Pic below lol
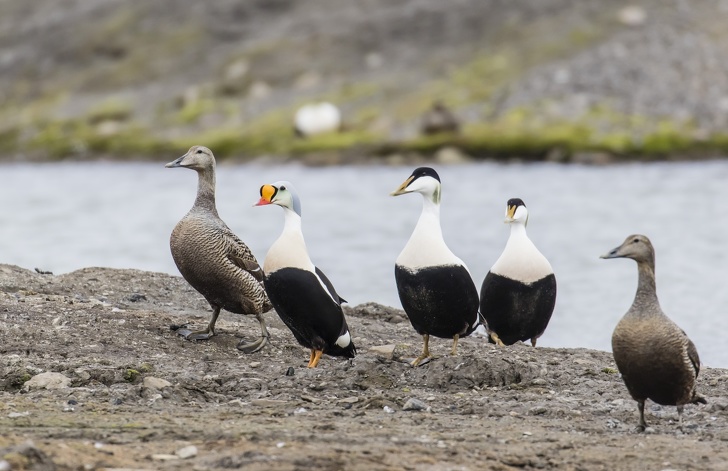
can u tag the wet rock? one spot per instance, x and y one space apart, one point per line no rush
47 380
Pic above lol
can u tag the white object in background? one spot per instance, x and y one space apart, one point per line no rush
317 118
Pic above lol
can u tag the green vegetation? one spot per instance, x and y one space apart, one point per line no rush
131 375
520 134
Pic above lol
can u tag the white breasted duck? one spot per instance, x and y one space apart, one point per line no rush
435 287
518 294
301 294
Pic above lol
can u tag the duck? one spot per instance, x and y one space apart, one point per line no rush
518 294
655 357
435 287
213 260
300 292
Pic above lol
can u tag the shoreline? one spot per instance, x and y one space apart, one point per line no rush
137 395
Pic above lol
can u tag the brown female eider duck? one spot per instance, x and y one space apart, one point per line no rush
656 358
213 259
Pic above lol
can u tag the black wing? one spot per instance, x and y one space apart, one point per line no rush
330 287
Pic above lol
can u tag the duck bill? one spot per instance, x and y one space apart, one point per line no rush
510 213
267 192
176 163
402 188
614 253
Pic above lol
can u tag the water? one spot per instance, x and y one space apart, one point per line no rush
62 217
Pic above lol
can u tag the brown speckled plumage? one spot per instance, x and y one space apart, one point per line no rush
656 358
209 255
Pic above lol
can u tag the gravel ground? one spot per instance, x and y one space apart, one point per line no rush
128 393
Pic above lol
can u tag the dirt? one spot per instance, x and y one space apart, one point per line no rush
108 332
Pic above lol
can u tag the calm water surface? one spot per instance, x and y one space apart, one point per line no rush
62 217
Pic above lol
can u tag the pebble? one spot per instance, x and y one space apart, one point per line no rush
300 410
5 466
388 410
414 404
164 457
186 452
15 415
384 351
255 364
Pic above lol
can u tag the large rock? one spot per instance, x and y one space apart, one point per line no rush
47 380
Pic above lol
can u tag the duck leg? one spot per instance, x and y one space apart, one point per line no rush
425 351
454 350
642 425
496 339
310 359
202 334
315 358
679 417
533 341
258 344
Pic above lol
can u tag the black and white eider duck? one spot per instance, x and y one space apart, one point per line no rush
435 287
213 259
518 294
301 294
655 357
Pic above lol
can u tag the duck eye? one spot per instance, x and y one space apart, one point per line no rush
283 187
199 151
634 241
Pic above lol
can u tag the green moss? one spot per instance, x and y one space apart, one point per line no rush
191 112
610 371
146 367
131 375
113 109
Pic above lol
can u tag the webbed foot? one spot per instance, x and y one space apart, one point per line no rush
187 334
252 347
421 360
425 352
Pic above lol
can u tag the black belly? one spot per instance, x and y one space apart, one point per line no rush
312 315
517 311
440 301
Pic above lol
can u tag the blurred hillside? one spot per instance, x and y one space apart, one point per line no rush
546 79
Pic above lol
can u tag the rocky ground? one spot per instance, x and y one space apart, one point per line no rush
127 393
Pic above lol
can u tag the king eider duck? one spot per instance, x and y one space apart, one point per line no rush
213 259
301 294
435 287
518 294
655 357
